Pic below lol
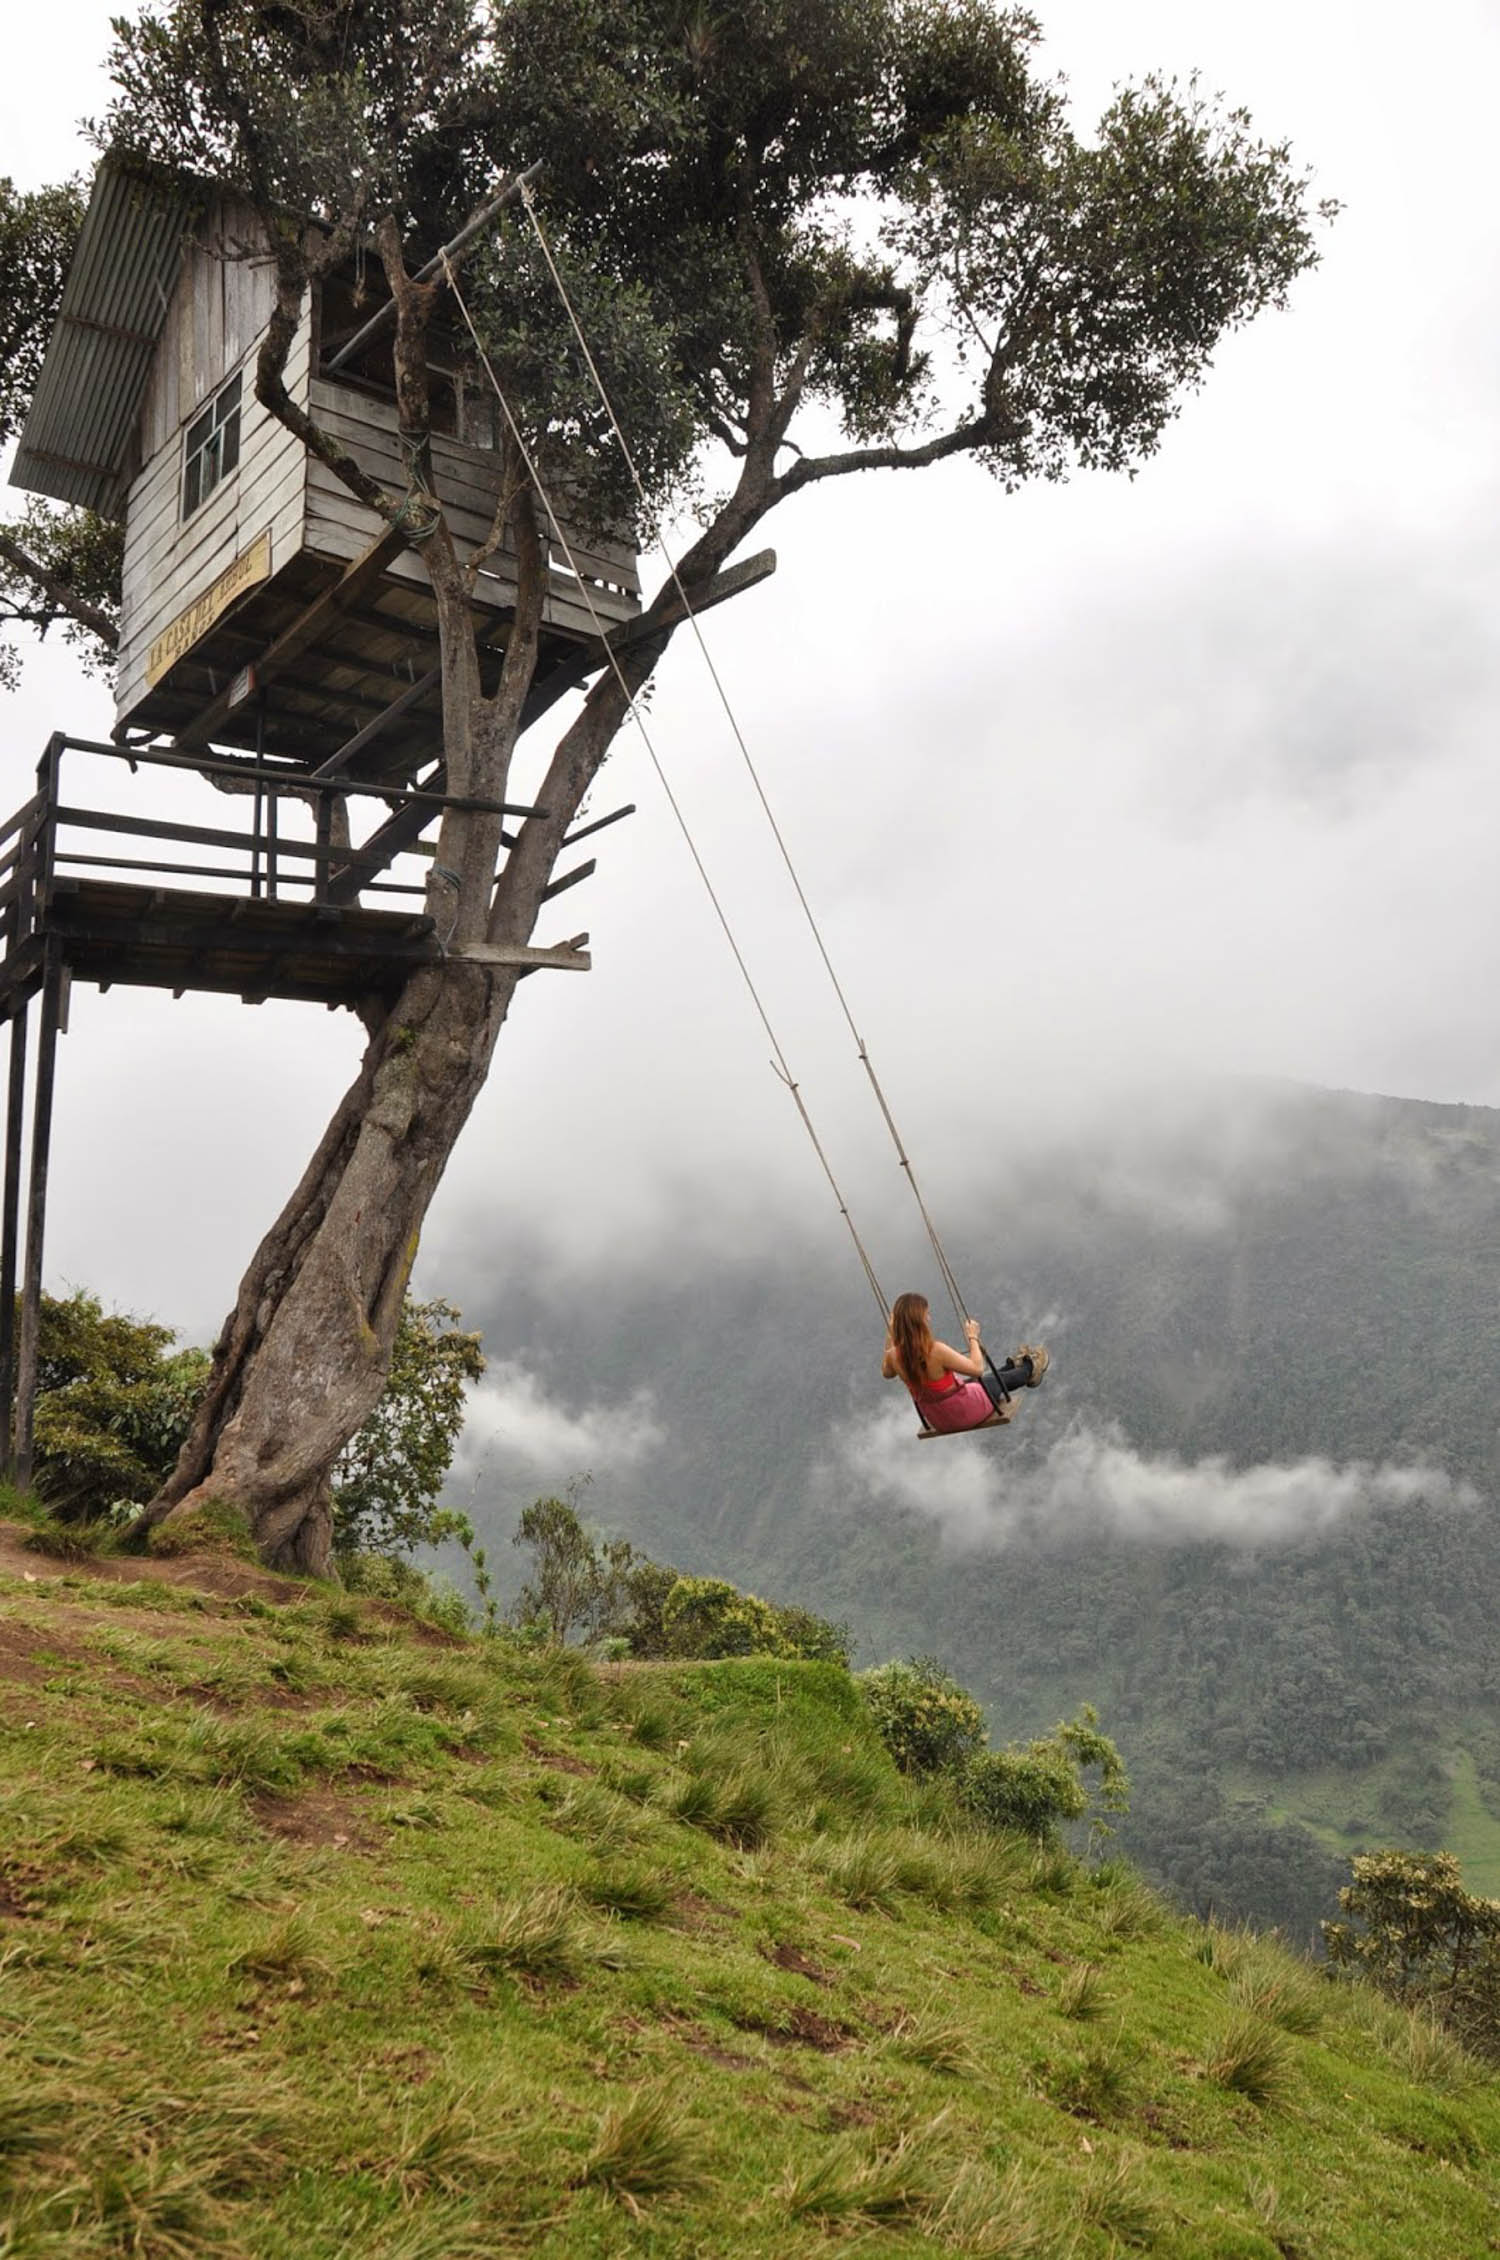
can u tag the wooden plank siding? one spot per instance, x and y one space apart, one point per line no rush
168 560
468 481
214 321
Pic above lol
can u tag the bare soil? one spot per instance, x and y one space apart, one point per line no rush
222 1574
317 1816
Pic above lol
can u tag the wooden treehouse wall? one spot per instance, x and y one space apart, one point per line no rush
214 322
468 482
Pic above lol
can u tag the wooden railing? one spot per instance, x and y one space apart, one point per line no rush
49 837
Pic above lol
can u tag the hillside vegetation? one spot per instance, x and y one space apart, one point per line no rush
327 1931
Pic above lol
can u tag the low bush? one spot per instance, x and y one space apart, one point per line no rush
927 1721
1035 1788
708 1617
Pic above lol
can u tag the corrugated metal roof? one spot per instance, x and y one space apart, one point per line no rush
76 442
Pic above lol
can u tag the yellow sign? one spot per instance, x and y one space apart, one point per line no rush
252 565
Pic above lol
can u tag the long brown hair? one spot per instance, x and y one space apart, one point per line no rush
911 1338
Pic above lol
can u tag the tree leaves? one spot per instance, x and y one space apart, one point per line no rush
389 1478
37 233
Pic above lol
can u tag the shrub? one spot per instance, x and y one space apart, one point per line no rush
927 1721
388 1477
1033 1789
385 1577
1417 1934
709 1617
1027 1790
114 1402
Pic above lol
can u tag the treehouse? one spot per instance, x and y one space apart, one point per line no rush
264 608
278 637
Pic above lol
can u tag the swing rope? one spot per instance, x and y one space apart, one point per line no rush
779 1061
945 1268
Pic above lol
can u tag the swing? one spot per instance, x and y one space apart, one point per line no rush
1023 1369
1026 1367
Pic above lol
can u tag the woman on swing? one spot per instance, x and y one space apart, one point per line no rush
951 1389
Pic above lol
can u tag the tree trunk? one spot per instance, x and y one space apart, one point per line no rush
304 1354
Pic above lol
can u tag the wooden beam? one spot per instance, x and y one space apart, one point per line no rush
304 630
570 879
566 958
386 842
573 942
372 730
396 836
28 1348
10 1213
590 657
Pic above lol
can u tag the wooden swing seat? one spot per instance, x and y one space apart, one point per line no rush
932 1435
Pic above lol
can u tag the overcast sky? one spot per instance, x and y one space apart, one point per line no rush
1097 788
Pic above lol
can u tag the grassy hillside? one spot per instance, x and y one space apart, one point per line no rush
324 1932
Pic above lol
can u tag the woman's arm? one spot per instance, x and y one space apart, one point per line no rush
955 1361
889 1370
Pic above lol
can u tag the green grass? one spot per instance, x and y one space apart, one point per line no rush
1471 1830
321 1935
1343 1812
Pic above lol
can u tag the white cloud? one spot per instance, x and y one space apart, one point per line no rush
1095 1480
512 1418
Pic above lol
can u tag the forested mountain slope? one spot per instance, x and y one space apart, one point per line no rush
1253 1513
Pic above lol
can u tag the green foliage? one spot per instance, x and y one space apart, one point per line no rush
602 1589
384 1577
1035 1788
114 1402
927 1721
581 1584
77 552
389 1476
38 231
61 568
698 186
1422 1938
706 1616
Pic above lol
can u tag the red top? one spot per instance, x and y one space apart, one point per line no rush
940 1388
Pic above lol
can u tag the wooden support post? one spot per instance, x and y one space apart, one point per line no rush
10 1220
36 1215
323 841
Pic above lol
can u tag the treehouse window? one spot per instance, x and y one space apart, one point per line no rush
213 447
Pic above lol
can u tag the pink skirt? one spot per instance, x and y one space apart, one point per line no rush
967 1406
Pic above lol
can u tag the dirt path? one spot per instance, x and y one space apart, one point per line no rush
220 1574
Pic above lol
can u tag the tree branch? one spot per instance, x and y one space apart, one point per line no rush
979 431
761 400
294 274
58 593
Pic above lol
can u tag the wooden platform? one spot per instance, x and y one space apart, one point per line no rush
375 653
139 936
